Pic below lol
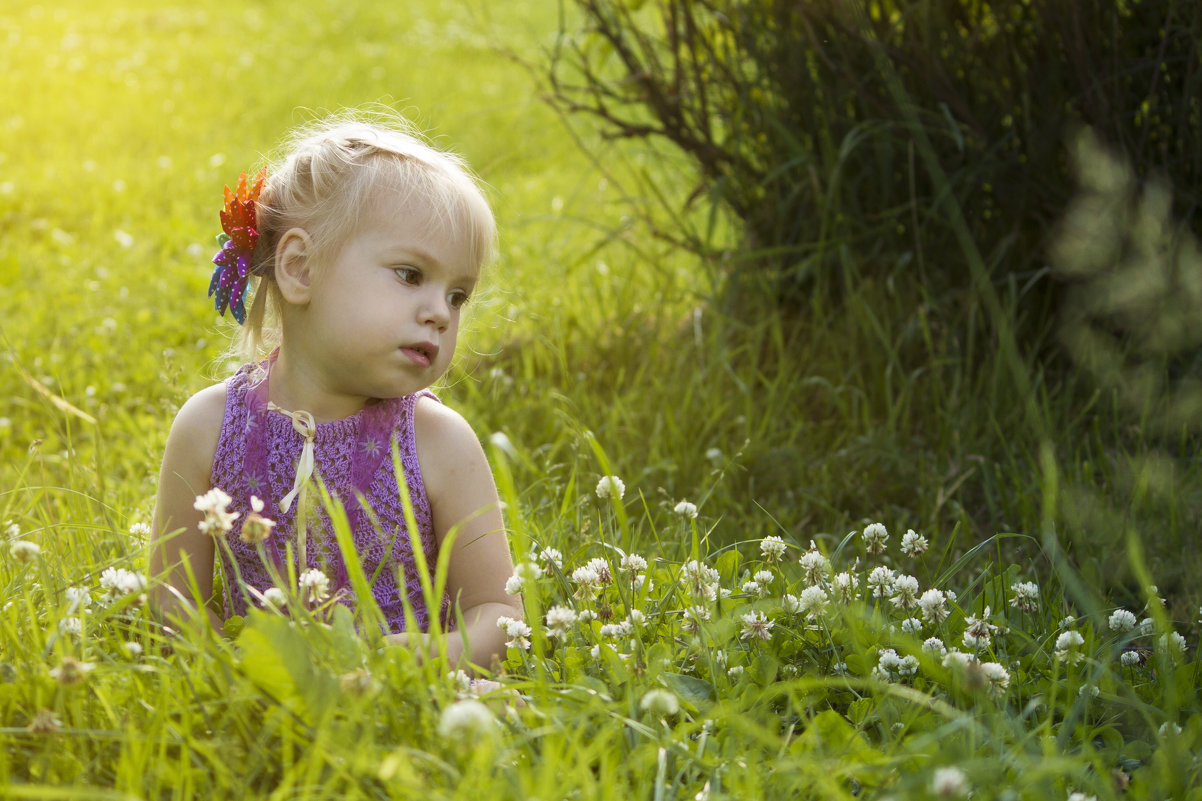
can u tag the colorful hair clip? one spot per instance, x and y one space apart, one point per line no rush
239 224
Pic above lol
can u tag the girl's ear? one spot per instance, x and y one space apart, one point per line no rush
292 267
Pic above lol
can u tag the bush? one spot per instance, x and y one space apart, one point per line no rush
887 135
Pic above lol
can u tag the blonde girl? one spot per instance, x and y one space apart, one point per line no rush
361 245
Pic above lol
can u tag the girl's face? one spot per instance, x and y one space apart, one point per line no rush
383 317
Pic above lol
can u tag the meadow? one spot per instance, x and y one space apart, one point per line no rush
843 556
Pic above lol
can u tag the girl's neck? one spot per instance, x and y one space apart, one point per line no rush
292 386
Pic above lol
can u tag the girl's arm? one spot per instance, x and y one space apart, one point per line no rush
462 494
187 467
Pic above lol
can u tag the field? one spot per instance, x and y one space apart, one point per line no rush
833 571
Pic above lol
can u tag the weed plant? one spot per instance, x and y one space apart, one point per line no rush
730 624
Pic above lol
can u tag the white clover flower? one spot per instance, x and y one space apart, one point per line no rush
1089 689
913 543
140 530
713 454
686 510
949 782
71 670
275 598
11 530
881 581
611 488
217 517
587 581
1130 658
701 579
1026 596
132 649
466 720
933 604
559 620
751 587
845 587
1147 626
617 631
23 551
1169 726
735 672
1122 621
934 645
815 565
694 616
764 577
586 616
314 585
757 625
911 625
813 602
997 676
907 665
659 703
528 572
772 548
958 659
601 567
1172 643
518 632
78 597
513 585
1081 797
460 680
118 581
839 668
905 592
875 536
632 563
1066 645
979 631
888 666
72 626
551 556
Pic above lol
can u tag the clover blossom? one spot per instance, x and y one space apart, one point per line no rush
979 632
513 584
997 676
845 588
559 620
659 703
217 517
772 548
686 510
881 581
875 536
275 598
588 582
23 551
911 625
816 566
551 556
934 645
933 604
756 625
314 585
1130 658
913 543
518 632
1122 621
1066 647
610 488
256 528
949 782
694 616
905 592
466 719
1026 596
118 582
701 580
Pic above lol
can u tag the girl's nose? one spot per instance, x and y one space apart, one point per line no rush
436 310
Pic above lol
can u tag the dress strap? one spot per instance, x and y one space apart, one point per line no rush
306 426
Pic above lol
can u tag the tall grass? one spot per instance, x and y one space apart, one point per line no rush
596 352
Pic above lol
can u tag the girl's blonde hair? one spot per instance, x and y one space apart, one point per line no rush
323 183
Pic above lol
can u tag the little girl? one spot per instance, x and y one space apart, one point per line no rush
363 244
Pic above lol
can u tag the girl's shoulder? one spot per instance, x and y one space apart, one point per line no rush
445 440
197 428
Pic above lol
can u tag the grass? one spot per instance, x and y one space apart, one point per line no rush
596 351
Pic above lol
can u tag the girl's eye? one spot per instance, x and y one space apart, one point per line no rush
457 298
408 274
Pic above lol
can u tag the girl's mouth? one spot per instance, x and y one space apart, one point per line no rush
421 353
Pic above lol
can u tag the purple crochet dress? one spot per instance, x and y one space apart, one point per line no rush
257 455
